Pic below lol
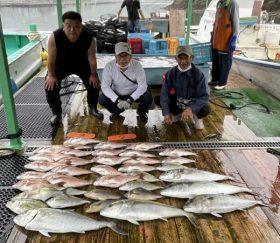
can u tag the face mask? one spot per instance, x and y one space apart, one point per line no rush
184 70
122 67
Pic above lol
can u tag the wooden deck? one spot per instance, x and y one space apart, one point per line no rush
255 169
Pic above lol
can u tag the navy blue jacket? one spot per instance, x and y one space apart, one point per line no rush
187 85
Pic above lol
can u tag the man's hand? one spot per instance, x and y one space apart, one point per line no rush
168 119
125 104
187 115
50 82
94 81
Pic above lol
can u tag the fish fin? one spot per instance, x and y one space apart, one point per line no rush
132 221
164 219
116 229
217 215
193 219
80 232
45 233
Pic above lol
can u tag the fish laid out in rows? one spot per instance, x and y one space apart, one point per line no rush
115 181
48 220
192 189
142 160
176 153
190 174
137 210
177 160
135 167
105 170
217 204
80 141
101 194
111 160
133 153
142 194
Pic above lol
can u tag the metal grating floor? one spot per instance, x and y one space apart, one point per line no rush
6 216
33 112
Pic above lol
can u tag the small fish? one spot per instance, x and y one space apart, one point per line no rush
136 167
110 152
176 153
144 175
177 160
100 194
133 153
147 161
67 181
80 141
143 146
105 170
114 181
49 220
216 204
43 166
108 145
111 160
70 170
32 184
77 153
75 161
167 167
142 194
55 149
22 205
136 210
192 189
50 157
98 206
65 201
190 174
30 175
129 186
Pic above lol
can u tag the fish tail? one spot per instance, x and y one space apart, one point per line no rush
115 228
193 219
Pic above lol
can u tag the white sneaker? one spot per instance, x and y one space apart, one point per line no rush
218 87
198 123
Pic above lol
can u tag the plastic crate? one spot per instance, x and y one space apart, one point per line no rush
182 41
202 53
145 44
158 45
144 36
136 45
156 52
173 43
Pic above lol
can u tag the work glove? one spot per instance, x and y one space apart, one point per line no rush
125 104
232 43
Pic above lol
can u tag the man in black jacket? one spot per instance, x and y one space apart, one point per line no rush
71 50
184 93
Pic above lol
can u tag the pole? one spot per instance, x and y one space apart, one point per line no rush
59 12
8 99
78 6
189 21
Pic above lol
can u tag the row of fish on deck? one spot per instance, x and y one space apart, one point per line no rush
51 185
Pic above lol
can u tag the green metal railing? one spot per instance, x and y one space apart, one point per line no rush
189 20
59 10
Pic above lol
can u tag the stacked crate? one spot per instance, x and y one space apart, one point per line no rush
157 47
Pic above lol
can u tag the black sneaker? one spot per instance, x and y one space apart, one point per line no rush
55 120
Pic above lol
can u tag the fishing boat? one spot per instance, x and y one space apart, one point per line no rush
239 143
258 47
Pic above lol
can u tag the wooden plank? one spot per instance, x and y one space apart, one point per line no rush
177 23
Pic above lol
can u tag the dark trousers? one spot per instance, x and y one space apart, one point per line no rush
53 96
145 101
133 26
221 64
175 110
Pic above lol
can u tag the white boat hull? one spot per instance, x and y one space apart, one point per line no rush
261 73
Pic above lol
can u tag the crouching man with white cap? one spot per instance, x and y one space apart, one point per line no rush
184 93
124 82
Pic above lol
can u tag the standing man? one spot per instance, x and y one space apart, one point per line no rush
184 94
124 82
71 50
133 11
224 37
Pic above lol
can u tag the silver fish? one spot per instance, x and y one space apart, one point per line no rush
49 220
111 160
147 161
110 152
98 206
22 205
136 210
42 194
176 152
135 167
133 153
56 149
77 153
65 201
114 181
192 189
42 166
108 145
143 146
216 204
105 170
80 141
100 194
177 160
142 194
167 167
139 184
190 174
51 157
